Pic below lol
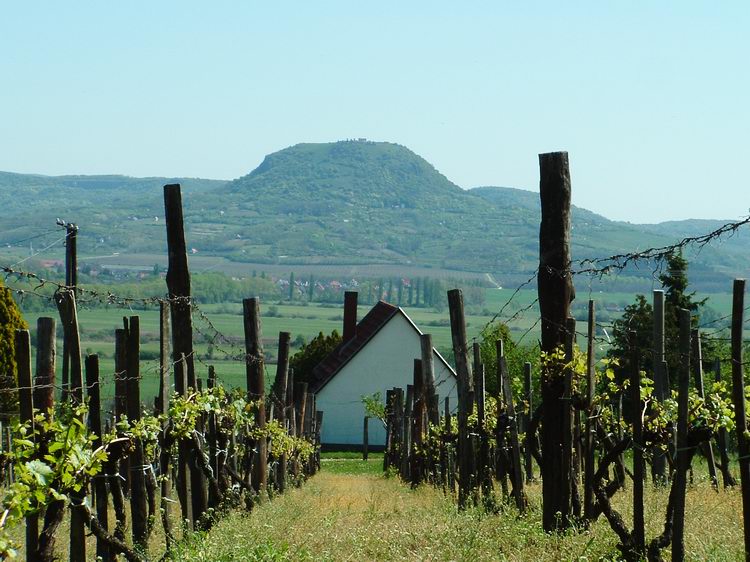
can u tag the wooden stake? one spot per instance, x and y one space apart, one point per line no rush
428 368
680 484
589 462
464 387
26 411
639 532
44 390
556 292
95 426
515 449
738 395
138 505
365 438
661 385
255 373
697 363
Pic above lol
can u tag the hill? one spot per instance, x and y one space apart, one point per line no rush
347 202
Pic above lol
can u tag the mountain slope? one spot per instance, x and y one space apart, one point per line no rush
348 202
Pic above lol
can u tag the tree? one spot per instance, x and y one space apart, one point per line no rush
311 288
291 286
639 317
310 354
10 321
515 356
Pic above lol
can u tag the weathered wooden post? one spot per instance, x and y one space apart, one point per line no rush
428 368
464 387
696 362
278 398
483 472
213 455
95 425
661 385
184 484
570 447
66 305
121 396
45 364
510 409
138 507
639 530
26 412
588 461
178 288
556 292
255 372
680 484
366 439
390 403
721 440
529 437
406 433
738 396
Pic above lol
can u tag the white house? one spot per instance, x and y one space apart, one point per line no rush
375 355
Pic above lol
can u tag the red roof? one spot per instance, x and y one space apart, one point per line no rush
370 325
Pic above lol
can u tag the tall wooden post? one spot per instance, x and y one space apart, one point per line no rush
510 409
661 386
26 411
95 425
164 358
280 401
556 292
428 368
138 505
529 439
255 373
721 440
464 388
45 364
738 396
680 484
178 288
588 461
639 532
71 280
696 362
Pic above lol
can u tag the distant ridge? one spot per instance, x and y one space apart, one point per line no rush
346 202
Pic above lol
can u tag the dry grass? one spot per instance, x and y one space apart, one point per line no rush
343 516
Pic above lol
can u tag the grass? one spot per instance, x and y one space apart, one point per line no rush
349 511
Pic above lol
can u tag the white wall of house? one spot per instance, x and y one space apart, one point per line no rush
386 361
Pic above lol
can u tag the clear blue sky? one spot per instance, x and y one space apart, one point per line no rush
651 99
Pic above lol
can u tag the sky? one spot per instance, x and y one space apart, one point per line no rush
650 99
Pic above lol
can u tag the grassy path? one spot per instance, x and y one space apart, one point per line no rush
349 511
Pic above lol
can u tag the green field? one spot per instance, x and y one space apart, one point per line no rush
306 320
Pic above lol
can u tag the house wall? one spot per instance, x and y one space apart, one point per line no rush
386 361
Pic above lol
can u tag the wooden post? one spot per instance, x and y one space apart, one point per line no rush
721 440
26 411
178 288
365 438
444 450
419 423
428 368
696 362
95 426
515 448
66 305
738 396
406 432
164 359
184 484
639 532
527 449
282 374
483 460
121 395
390 402
44 390
568 449
589 462
138 506
71 280
556 292
213 499
661 386
680 484
464 387
255 374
